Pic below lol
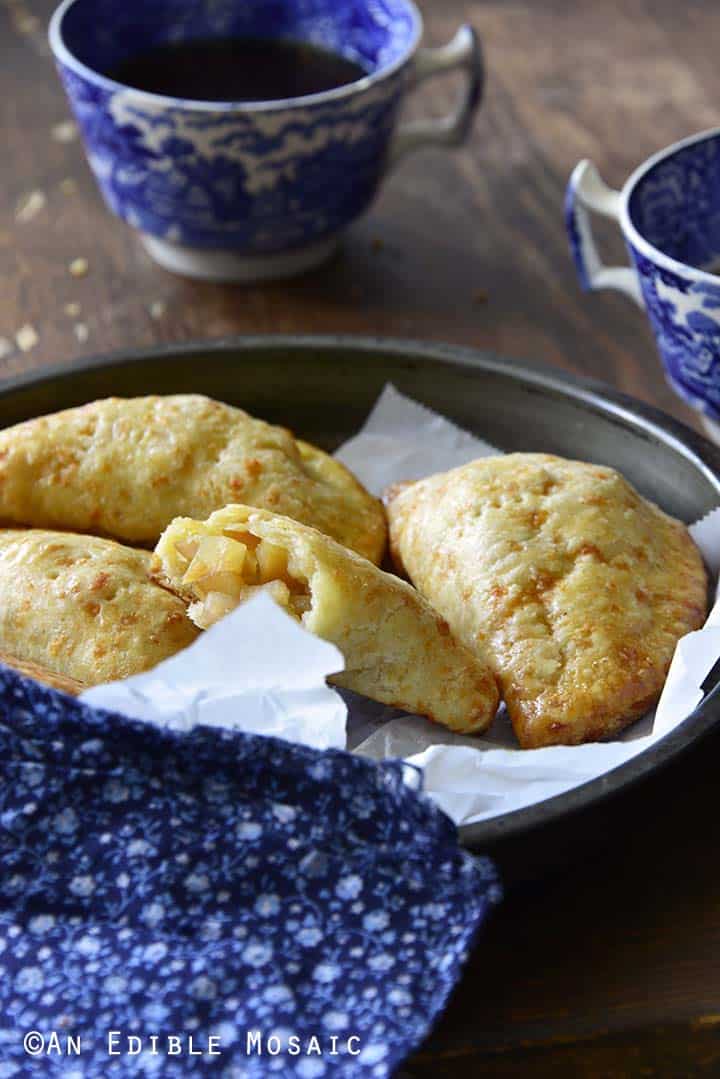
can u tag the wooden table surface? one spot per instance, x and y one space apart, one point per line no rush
615 969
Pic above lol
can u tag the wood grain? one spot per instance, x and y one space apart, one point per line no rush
615 970
465 247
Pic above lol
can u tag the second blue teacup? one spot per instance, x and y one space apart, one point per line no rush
669 214
247 190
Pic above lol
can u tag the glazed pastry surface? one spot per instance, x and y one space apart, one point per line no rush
125 467
85 608
573 586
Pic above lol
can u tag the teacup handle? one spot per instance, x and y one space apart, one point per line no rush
587 191
464 52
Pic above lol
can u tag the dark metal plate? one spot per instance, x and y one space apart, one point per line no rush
323 387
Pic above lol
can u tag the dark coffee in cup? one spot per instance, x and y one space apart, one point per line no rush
237 69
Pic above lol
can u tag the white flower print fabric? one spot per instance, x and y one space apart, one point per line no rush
212 883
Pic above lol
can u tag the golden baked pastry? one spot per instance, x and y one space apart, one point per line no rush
575 588
397 649
126 467
85 608
42 674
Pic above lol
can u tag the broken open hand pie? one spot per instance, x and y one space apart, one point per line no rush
397 649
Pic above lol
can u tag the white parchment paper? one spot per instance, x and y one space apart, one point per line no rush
258 670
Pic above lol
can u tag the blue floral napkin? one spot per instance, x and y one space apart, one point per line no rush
211 901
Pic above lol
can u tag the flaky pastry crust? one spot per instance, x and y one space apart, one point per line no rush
85 608
41 674
125 467
575 587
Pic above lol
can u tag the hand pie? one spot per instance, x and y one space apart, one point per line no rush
396 649
126 467
85 608
575 588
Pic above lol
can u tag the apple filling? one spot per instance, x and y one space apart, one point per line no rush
222 571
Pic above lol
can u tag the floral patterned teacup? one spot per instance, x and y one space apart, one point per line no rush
245 191
669 214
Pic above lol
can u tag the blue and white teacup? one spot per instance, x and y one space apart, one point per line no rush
254 190
669 215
